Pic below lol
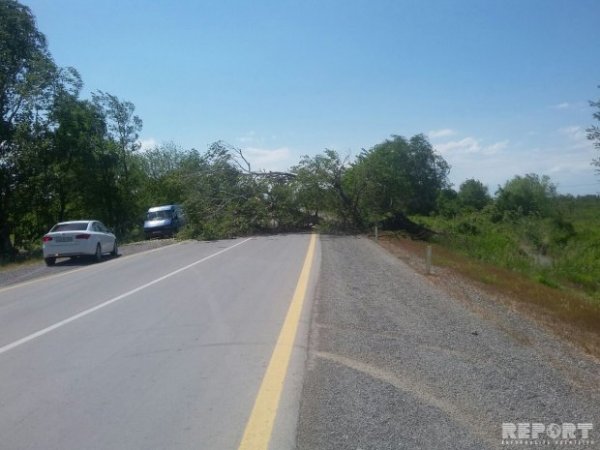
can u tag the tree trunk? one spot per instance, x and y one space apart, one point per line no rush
6 248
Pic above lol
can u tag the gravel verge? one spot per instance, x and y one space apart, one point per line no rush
30 270
398 361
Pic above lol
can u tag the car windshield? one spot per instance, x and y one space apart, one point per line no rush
75 226
159 215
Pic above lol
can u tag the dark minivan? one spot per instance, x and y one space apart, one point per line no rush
163 221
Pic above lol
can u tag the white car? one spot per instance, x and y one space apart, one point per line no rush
78 238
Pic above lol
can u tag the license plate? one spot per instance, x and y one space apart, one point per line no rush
64 239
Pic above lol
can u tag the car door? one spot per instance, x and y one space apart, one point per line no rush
97 235
105 237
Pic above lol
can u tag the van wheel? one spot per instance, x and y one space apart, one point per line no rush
98 254
50 261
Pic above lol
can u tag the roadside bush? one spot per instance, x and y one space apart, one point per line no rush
530 194
559 250
447 203
473 195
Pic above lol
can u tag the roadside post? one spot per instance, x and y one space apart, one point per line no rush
428 260
376 233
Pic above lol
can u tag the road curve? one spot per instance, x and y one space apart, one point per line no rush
165 349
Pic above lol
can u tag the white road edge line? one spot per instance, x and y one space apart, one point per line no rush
64 322
106 263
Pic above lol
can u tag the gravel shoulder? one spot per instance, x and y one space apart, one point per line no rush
20 273
398 360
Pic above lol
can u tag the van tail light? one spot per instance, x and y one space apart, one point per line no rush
82 236
46 238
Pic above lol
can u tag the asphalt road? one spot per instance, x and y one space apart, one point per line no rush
181 348
159 350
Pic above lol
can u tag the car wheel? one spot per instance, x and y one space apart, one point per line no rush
98 254
50 261
115 251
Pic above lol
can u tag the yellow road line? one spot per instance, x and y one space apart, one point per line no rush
260 424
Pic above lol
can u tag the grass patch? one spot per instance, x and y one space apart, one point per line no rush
561 251
22 259
570 312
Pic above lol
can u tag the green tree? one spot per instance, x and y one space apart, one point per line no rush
594 133
396 178
27 73
39 185
447 203
217 196
525 195
123 125
123 128
78 138
323 188
473 194
428 172
162 180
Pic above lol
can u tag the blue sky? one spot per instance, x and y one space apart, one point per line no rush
500 87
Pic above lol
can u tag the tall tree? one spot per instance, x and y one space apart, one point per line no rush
123 125
473 194
78 140
27 73
161 181
594 133
526 195
322 187
399 177
123 128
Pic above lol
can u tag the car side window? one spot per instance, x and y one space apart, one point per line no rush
95 227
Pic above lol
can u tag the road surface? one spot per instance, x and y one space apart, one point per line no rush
159 350
186 347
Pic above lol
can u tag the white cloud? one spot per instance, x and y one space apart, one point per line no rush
269 159
497 147
576 136
576 140
433 134
248 138
147 144
466 145
571 106
564 167
470 145
566 160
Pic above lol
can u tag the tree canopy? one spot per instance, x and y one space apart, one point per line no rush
60 156
594 133
529 194
473 194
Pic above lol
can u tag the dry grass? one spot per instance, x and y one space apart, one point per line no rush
567 313
17 264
